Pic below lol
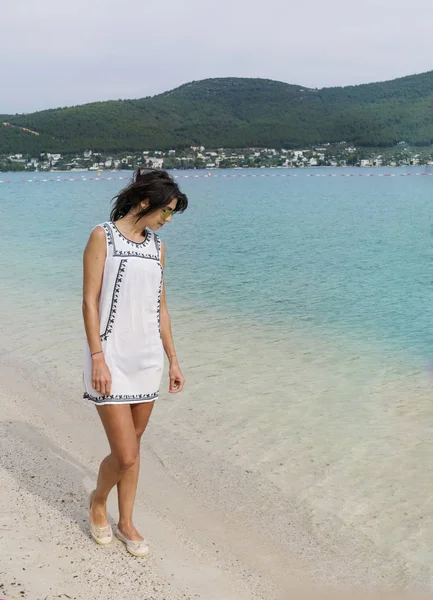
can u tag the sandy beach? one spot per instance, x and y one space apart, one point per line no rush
218 530
49 462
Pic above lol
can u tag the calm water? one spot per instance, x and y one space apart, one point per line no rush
306 300
329 253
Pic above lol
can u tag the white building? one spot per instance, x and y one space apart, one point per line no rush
155 163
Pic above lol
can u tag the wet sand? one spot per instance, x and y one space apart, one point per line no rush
231 509
49 463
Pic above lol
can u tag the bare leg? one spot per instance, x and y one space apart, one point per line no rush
127 485
120 429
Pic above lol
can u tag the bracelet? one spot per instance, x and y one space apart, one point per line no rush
99 352
172 356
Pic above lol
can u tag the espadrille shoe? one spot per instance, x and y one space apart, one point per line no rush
135 548
101 535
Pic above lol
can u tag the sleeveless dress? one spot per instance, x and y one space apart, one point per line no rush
129 313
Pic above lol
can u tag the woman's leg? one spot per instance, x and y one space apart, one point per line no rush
127 485
120 429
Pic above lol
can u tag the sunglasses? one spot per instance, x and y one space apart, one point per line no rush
167 213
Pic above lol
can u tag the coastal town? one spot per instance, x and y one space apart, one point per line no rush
199 157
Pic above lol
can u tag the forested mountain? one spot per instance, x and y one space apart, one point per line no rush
234 112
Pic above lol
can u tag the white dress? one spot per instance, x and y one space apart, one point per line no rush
129 313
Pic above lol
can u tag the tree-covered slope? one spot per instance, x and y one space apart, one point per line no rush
235 112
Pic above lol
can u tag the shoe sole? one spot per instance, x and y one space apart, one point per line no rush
98 541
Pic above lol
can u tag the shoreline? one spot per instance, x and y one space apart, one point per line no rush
303 448
48 466
213 169
223 519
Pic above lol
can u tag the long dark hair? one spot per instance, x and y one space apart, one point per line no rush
155 185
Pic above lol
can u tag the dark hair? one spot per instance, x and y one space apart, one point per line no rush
155 185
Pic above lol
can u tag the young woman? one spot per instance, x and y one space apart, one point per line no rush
128 328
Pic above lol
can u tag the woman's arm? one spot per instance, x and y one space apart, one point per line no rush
177 380
93 270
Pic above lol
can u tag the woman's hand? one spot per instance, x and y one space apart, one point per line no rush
101 376
177 380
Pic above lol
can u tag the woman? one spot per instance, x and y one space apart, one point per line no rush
128 328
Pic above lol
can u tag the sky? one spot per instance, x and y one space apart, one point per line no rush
55 53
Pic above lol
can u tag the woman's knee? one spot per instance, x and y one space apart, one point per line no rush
126 460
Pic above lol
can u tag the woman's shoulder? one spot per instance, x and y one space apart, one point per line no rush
101 227
99 232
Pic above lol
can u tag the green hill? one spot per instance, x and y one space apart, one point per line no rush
236 113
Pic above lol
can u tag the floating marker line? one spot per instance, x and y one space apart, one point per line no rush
216 176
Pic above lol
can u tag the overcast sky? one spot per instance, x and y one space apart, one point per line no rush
56 53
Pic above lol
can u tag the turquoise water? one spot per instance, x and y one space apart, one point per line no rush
301 304
351 254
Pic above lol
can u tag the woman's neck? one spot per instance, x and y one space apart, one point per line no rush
135 228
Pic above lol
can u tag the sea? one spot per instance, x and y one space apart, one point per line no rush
301 307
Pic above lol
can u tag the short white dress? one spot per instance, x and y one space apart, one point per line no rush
129 312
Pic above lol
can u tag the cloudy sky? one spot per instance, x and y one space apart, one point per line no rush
56 53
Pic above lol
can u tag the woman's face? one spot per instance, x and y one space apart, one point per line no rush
159 217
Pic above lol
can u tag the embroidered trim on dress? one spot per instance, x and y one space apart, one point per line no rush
109 233
108 227
134 254
158 310
158 245
120 397
113 308
131 242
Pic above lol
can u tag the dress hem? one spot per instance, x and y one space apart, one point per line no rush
127 402
96 401
130 402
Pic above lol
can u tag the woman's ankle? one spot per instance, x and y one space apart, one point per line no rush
97 499
130 531
125 524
